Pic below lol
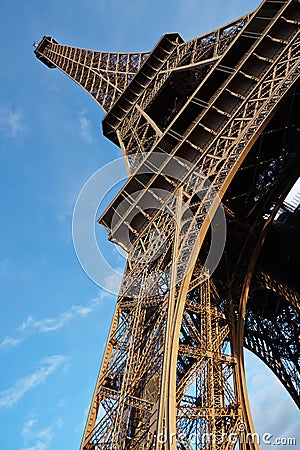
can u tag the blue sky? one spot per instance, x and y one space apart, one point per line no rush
54 319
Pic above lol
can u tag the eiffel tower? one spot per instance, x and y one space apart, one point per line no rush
209 129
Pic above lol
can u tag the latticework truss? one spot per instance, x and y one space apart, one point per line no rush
212 120
103 75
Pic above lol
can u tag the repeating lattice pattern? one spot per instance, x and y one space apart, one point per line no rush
103 75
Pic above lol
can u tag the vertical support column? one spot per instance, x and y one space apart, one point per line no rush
94 408
166 426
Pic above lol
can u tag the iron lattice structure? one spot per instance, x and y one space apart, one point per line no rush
205 126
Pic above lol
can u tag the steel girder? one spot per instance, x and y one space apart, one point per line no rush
173 364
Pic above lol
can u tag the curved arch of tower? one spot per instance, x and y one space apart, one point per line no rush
209 130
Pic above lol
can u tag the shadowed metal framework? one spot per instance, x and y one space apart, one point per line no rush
205 126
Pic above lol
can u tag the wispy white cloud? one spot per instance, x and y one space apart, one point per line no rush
11 396
9 342
31 325
85 127
11 122
38 439
54 323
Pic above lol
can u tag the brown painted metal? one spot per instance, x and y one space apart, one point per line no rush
173 365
